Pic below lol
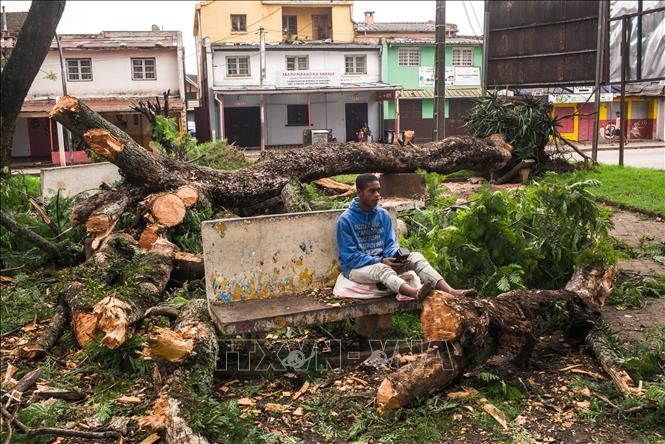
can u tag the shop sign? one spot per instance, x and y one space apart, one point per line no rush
455 76
385 95
579 98
307 79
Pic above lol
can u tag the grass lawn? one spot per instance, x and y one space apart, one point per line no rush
643 188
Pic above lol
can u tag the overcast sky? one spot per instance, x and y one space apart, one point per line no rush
96 16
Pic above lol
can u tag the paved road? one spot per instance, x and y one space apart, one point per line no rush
644 158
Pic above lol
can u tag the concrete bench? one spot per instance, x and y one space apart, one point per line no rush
270 272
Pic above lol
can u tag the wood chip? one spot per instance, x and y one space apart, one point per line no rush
129 400
272 407
8 379
246 402
302 390
565 369
467 392
588 373
152 438
583 405
495 413
298 412
360 381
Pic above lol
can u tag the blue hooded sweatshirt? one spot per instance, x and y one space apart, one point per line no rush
364 238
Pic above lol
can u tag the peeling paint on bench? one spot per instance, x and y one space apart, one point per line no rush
269 256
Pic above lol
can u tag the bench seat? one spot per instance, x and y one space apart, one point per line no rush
259 315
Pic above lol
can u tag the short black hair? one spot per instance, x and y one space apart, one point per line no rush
363 179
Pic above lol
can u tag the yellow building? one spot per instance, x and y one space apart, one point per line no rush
239 21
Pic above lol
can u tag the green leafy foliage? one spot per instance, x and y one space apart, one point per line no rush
527 123
631 290
218 155
495 386
183 146
187 235
125 359
14 194
24 300
44 413
224 421
527 238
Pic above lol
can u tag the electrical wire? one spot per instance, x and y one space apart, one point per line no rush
468 18
475 17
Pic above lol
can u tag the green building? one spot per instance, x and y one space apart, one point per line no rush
409 62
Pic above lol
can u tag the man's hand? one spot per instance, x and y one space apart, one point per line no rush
390 261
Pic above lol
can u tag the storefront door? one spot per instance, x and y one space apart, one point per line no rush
242 125
355 114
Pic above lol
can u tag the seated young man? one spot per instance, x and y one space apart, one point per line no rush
367 246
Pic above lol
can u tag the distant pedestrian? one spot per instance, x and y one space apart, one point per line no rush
618 131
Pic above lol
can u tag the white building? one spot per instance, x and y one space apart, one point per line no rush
317 85
109 71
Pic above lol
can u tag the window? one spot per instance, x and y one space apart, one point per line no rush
144 69
237 66
79 69
290 24
297 63
408 56
355 64
296 115
238 23
462 56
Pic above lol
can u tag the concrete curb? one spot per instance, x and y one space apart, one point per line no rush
616 147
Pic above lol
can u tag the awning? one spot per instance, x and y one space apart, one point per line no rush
99 105
270 90
451 93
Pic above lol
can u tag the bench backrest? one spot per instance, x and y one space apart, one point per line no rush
268 256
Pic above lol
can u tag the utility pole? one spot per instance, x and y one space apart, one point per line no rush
600 43
624 67
440 73
62 134
262 75
486 44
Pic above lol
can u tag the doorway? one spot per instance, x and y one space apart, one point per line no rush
321 27
40 139
242 126
355 114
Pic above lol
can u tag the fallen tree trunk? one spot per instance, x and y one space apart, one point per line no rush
189 353
470 331
266 178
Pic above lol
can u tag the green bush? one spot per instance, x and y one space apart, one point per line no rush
527 238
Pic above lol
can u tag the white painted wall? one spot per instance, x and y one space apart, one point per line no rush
276 61
21 142
327 112
74 179
111 75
